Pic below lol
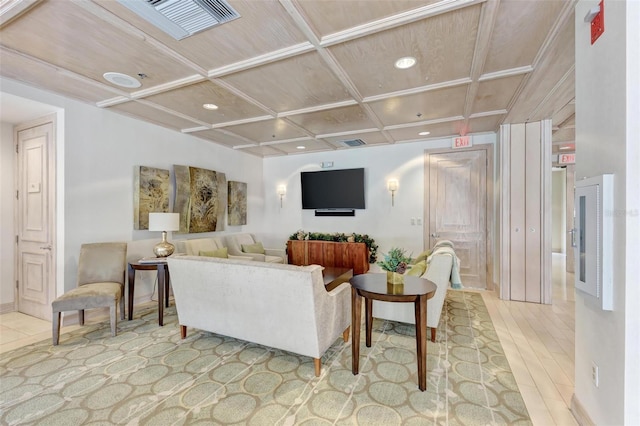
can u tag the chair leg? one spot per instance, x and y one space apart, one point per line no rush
183 331
56 328
345 334
317 363
81 317
122 308
113 318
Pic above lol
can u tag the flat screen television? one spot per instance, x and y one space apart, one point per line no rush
333 189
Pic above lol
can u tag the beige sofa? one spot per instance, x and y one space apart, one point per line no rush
439 272
194 246
280 306
271 255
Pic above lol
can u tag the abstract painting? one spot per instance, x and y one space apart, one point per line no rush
150 194
201 198
237 203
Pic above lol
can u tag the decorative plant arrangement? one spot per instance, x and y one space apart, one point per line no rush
395 261
340 238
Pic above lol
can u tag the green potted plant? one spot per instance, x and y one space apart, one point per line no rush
395 263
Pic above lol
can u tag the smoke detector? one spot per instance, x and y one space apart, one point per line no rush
183 18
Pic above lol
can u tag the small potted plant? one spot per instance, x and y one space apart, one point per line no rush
395 263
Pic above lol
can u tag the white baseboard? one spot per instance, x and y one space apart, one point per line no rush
580 413
5 308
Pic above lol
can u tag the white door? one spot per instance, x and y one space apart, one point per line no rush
457 210
35 148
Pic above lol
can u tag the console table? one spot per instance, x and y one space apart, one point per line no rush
329 253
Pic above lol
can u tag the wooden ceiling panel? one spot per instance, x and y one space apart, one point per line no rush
555 67
295 83
336 120
521 28
310 145
438 130
136 109
267 131
328 17
263 151
495 94
191 98
220 137
564 135
263 27
429 105
70 37
484 124
34 73
442 45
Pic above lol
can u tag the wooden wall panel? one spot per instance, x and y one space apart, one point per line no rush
517 215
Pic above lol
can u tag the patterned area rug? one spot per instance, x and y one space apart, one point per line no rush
148 375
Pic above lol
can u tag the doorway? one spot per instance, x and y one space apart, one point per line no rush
35 216
458 208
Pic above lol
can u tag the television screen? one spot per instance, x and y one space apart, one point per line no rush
333 189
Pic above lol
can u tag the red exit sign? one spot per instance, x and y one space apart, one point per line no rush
567 158
461 142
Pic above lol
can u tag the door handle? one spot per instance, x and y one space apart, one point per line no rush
434 235
572 231
46 247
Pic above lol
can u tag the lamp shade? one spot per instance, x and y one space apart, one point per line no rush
164 221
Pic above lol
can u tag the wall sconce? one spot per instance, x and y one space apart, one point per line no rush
282 191
392 186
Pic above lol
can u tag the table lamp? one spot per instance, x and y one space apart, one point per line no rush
164 222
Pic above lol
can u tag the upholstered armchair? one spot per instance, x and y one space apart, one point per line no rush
101 270
246 245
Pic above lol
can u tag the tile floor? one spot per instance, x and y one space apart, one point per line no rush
538 341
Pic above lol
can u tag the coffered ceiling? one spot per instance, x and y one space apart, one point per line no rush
309 73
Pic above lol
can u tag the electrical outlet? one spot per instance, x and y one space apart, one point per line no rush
594 374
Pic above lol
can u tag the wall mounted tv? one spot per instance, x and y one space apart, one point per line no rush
333 189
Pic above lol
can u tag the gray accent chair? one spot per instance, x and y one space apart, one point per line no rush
101 272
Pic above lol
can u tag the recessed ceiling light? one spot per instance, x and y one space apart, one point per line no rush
210 106
565 147
406 62
301 147
121 80
424 133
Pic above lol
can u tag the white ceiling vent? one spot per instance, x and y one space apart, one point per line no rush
183 18
353 142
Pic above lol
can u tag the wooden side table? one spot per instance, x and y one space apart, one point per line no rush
375 287
163 285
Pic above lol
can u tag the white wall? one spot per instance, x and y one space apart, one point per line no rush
607 130
99 151
388 226
6 218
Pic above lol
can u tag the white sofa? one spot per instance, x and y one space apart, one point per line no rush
271 255
194 246
280 306
439 272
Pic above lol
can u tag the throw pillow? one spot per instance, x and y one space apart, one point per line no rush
215 253
418 269
422 256
253 248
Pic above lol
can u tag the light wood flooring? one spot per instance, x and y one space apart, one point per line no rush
538 341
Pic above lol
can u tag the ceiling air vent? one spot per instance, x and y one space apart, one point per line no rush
183 18
353 142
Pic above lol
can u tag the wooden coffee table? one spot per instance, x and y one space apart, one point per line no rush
375 287
333 276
